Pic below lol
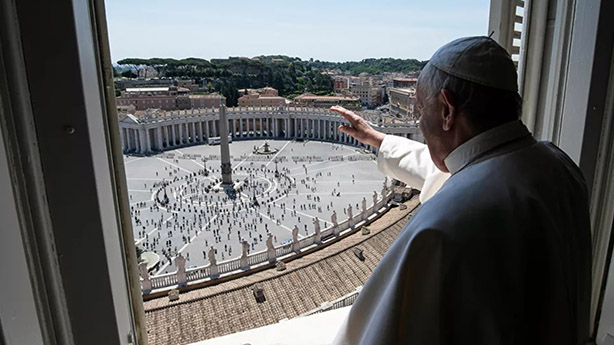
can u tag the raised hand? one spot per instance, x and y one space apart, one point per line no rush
359 128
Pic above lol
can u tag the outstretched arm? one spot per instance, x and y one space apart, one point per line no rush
359 128
403 159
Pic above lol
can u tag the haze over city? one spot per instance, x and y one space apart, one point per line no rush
323 30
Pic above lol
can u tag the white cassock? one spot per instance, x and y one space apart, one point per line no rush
410 162
501 254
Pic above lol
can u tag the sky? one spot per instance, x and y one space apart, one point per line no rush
328 30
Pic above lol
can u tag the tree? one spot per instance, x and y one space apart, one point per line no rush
129 74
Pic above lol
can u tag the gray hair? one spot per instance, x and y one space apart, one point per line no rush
486 107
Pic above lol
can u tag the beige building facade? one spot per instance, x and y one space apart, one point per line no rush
166 98
402 102
264 97
310 100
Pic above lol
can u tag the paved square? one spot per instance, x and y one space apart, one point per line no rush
175 207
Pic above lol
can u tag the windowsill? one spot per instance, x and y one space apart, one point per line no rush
309 330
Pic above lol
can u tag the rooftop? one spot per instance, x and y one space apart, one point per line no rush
406 79
210 95
146 89
330 98
307 282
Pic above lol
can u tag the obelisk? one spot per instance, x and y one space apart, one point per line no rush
226 168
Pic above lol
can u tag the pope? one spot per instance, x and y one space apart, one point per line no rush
499 251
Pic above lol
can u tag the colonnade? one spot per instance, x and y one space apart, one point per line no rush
176 129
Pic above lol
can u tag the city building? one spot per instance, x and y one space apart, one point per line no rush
256 100
264 97
311 100
402 101
211 100
265 91
189 84
370 95
341 83
166 98
123 84
404 82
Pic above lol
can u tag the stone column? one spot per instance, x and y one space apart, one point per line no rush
200 131
147 140
288 128
296 128
174 134
186 133
159 137
326 128
141 140
335 132
187 136
131 139
179 134
261 131
207 128
193 134
240 128
234 128
272 127
127 138
121 137
147 146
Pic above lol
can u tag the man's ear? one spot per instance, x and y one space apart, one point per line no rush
448 109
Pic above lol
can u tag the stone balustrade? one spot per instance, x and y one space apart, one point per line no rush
344 301
184 276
